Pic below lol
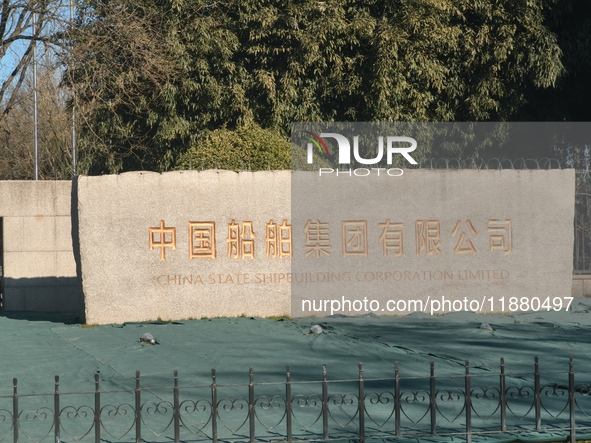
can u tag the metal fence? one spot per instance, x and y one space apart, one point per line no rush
464 405
582 246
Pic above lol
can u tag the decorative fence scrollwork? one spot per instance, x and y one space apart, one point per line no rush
296 411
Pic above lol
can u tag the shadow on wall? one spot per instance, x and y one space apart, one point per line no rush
32 297
80 307
65 318
42 294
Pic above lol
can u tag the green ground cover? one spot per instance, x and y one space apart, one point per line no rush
36 347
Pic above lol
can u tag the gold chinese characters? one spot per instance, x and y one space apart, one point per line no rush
354 238
240 239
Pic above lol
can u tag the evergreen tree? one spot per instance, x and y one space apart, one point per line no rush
153 77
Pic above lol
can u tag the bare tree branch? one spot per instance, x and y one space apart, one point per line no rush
24 24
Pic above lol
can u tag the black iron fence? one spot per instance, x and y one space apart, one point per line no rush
465 405
582 246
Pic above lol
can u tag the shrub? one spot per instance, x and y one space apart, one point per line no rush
248 147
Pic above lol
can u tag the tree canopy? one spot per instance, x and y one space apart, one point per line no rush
152 77
24 25
570 20
151 80
33 33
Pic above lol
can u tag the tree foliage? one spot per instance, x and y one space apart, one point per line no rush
25 24
570 20
152 75
54 131
249 147
33 33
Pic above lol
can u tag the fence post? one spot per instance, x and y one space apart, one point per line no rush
251 405
176 409
138 409
288 403
361 405
97 409
432 399
56 410
15 416
324 405
214 408
537 399
571 399
396 399
503 397
468 404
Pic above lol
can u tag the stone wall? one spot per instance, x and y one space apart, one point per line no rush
133 269
39 269
156 245
217 243
581 285
433 241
